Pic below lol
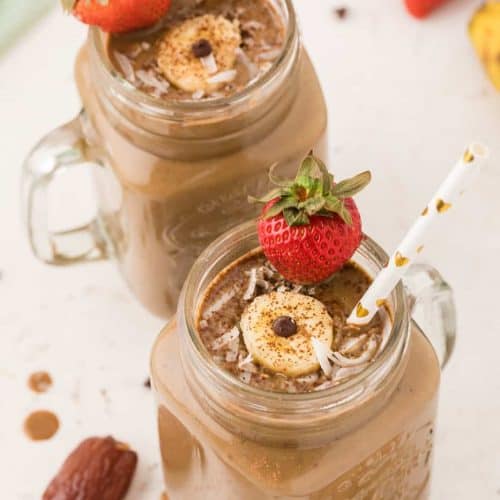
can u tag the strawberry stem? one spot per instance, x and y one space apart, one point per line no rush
312 192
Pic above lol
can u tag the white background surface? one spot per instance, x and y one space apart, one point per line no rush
404 98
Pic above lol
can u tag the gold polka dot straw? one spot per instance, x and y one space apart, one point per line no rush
460 177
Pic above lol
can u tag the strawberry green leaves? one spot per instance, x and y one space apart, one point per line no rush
294 217
276 180
312 205
282 204
274 193
350 187
312 192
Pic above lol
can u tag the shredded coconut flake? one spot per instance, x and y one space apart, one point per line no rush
290 386
324 385
224 298
263 284
247 364
352 343
267 272
245 60
223 76
348 371
245 377
233 348
252 284
197 94
271 55
322 353
135 52
308 379
126 66
226 338
253 25
344 362
209 63
149 79
263 68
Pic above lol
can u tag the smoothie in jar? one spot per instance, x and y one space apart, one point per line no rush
181 121
275 394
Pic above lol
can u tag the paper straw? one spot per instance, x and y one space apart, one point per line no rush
459 179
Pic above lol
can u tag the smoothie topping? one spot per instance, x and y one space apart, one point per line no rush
281 336
193 53
310 226
277 317
292 355
201 48
284 326
118 16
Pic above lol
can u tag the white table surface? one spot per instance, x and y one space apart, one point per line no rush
404 98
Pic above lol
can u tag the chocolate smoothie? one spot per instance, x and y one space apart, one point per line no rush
177 162
229 431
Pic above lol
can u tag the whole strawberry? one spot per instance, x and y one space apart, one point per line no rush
310 226
118 16
422 8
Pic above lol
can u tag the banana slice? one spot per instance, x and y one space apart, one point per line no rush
293 355
183 69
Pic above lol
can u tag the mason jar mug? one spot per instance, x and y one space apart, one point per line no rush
170 176
370 437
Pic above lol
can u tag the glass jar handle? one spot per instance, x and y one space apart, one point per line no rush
58 152
433 308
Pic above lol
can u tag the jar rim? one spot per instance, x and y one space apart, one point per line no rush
297 403
170 109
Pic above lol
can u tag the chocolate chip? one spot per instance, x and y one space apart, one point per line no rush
201 48
245 33
284 326
341 12
147 383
